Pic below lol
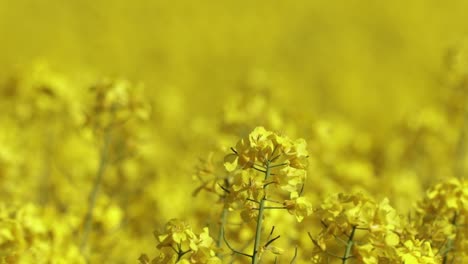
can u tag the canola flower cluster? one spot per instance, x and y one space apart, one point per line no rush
179 239
91 167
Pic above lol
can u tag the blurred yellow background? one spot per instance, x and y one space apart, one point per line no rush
354 57
376 88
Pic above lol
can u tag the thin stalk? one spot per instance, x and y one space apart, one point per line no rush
274 207
293 260
450 242
181 253
104 156
222 226
349 246
258 232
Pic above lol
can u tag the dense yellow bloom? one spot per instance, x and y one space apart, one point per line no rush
417 252
264 150
442 215
373 230
29 234
179 244
204 248
447 199
289 178
285 161
176 232
262 145
113 157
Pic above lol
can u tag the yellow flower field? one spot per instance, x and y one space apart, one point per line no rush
233 132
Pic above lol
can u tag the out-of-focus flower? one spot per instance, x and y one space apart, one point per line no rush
417 252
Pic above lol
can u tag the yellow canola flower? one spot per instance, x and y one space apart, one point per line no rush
290 179
160 259
298 206
417 252
378 227
392 239
116 102
261 146
367 253
447 198
441 217
262 151
29 235
176 231
203 246
344 211
179 244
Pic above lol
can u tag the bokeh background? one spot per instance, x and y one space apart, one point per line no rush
377 89
341 56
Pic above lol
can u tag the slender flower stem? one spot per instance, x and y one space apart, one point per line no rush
221 227
181 253
274 207
258 232
349 246
450 242
96 186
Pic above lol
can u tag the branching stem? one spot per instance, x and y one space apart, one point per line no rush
450 243
222 226
255 255
349 246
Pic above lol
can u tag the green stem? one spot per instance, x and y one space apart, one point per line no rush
349 246
450 242
94 192
180 254
255 256
221 228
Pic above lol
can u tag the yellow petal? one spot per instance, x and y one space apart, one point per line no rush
392 239
230 162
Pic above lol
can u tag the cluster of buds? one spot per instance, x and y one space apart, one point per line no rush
268 171
265 158
441 218
368 231
116 116
116 102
